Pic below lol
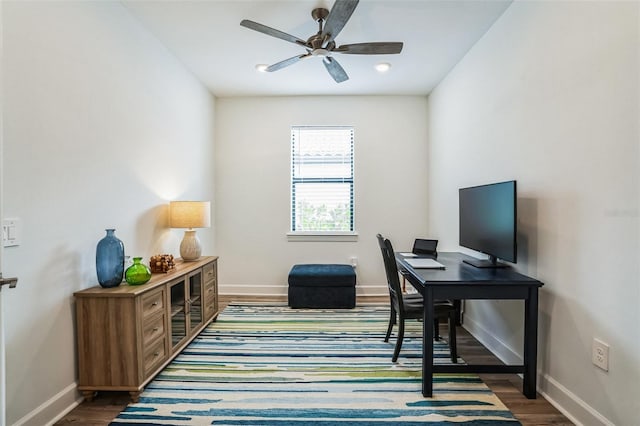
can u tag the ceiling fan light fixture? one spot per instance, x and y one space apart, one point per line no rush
382 67
323 53
262 67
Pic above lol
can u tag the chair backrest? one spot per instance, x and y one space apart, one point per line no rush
383 250
391 269
425 247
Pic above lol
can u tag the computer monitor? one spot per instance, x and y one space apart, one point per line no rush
488 222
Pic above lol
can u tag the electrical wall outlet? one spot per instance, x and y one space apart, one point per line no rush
354 262
600 354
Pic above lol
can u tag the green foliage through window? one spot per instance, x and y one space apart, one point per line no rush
323 218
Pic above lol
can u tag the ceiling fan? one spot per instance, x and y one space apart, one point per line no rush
322 44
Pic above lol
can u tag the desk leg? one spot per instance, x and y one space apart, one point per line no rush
530 344
427 344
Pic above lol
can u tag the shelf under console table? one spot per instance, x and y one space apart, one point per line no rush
127 334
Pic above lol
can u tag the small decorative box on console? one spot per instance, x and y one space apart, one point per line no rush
331 286
161 263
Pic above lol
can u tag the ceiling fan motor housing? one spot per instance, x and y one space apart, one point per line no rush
319 14
317 40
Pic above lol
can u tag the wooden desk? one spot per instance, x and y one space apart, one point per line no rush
462 281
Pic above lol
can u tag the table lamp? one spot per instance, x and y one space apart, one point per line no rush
190 214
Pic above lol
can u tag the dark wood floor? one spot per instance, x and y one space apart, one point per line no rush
508 387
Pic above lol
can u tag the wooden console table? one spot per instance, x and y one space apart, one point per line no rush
128 334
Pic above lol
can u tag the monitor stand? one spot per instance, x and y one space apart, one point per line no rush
492 262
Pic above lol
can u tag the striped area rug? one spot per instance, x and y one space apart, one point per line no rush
272 365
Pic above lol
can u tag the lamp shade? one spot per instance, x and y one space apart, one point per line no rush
190 214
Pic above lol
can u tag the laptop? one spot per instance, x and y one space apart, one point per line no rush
421 263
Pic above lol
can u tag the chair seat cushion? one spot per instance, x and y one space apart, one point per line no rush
413 305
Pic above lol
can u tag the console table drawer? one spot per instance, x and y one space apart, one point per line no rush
209 272
210 305
153 302
210 289
154 355
152 329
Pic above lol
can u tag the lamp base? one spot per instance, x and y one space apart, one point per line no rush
190 248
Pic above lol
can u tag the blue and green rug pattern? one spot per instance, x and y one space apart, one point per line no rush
272 365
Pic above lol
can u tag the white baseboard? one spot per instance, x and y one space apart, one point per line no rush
279 290
53 409
372 290
569 404
495 345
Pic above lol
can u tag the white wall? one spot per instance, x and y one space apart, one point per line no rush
101 127
253 169
3 391
550 97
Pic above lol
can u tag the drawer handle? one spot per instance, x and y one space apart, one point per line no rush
154 304
156 329
156 354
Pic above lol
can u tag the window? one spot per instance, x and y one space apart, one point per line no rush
322 180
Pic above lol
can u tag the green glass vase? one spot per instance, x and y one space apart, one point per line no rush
138 273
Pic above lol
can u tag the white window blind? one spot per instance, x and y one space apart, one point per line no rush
321 179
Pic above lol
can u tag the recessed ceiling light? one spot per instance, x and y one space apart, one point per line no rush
383 67
262 67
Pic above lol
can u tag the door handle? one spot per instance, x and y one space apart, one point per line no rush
11 282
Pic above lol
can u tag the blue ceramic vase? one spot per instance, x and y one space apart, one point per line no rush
110 260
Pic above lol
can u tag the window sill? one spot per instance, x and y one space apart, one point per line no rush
334 237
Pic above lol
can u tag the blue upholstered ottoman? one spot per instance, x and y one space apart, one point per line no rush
322 286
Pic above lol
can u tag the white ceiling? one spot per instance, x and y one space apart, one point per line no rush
206 36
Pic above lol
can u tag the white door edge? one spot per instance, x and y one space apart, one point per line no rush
3 385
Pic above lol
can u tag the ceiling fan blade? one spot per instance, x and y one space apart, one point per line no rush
286 62
272 32
380 48
334 68
338 17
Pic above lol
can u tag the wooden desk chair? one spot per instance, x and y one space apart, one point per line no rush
411 306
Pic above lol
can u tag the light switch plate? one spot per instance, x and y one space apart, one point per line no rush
11 232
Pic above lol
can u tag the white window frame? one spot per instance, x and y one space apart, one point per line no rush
333 236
